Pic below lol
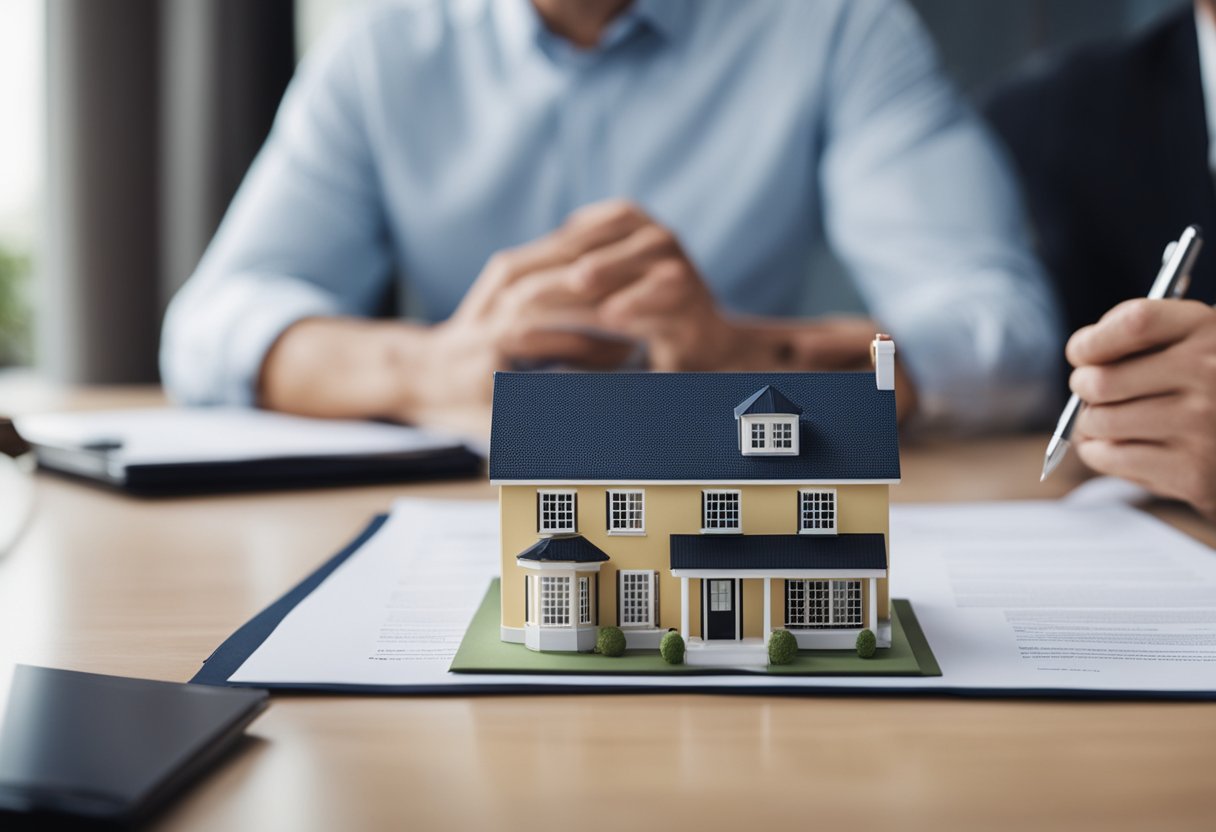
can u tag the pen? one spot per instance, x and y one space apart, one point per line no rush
1171 282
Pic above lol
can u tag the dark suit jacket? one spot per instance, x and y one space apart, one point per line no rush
1112 146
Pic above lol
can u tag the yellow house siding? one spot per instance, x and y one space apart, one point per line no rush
676 509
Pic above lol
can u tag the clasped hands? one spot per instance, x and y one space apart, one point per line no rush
585 294
1147 371
609 278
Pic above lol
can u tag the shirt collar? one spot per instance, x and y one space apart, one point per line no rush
523 30
670 18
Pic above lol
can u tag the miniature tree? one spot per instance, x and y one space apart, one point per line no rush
866 644
610 641
671 648
782 647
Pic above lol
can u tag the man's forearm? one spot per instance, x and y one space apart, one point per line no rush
345 368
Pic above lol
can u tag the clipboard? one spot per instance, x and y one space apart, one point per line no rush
177 451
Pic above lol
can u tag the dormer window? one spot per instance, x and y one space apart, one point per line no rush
768 424
770 435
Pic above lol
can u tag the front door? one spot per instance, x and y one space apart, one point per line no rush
721 605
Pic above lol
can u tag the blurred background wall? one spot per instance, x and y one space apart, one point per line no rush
126 125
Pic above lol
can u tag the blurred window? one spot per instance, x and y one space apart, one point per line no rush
22 114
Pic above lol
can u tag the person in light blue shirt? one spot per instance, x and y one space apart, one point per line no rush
550 181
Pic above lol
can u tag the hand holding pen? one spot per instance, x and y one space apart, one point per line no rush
1144 403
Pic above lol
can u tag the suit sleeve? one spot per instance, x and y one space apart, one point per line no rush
305 235
921 206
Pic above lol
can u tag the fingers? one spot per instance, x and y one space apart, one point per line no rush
1171 470
548 289
1134 327
664 289
1152 419
1134 461
1153 374
609 269
592 228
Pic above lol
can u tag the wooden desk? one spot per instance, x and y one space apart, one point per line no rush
148 588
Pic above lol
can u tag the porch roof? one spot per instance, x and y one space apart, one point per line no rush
843 552
569 548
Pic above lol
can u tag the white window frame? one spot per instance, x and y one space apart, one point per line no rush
647 581
555 600
541 527
584 599
843 610
757 439
627 493
787 428
818 493
756 435
705 497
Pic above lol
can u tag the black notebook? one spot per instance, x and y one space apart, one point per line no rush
177 450
106 748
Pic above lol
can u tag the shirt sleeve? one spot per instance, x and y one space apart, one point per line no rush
922 208
305 236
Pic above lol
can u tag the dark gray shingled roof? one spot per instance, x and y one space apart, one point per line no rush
778 551
766 400
682 426
567 548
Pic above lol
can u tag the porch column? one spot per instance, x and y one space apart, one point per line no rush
768 608
874 605
684 609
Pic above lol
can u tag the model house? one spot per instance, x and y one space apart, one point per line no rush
721 504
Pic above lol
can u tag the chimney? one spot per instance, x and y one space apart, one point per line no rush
882 353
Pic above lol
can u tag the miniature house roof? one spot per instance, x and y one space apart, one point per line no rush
778 551
768 400
571 548
637 427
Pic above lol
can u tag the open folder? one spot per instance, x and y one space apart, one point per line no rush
1028 598
189 450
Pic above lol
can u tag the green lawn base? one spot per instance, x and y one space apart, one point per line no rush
483 651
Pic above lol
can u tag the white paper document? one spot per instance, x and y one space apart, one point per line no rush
175 435
1025 596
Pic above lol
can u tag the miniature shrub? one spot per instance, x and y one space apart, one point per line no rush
866 644
671 648
610 641
782 647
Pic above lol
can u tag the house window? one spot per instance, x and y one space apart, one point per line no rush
822 604
555 512
758 435
817 511
554 601
626 512
584 601
637 598
769 435
720 511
